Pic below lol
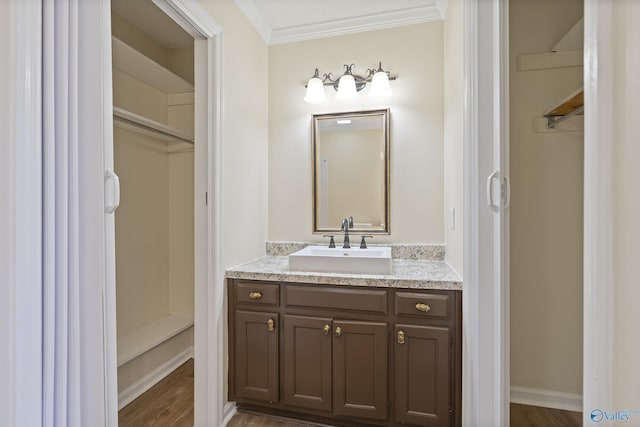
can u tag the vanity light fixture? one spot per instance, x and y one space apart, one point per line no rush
349 84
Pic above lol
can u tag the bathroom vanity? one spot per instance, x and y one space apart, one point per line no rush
347 349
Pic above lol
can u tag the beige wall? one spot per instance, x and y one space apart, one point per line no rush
453 135
245 128
546 209
626 205
142 225
415 54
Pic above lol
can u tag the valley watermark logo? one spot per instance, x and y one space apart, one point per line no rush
598 415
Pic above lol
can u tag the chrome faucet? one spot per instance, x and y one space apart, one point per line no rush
346 225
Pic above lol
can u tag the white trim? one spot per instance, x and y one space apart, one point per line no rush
503 300
140 341
380 21
26 125
229 411
251 12
191 16
209 275
136 389
598 198
441 5
547 398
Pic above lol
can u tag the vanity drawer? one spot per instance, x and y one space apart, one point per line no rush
422 305
257 293
369 300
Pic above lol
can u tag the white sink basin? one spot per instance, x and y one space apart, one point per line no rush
373 260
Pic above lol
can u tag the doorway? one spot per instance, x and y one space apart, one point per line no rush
546 211
153 98
208 273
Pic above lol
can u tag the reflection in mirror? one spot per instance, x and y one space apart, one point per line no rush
351 171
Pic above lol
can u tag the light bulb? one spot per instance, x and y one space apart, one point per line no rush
380 84
347 87
315 91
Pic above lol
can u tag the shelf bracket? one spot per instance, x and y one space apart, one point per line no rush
553 121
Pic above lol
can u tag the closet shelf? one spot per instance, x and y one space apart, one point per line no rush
141 340
138 123
131 62
571 106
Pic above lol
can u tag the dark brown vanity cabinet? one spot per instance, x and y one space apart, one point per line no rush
345 355
335 365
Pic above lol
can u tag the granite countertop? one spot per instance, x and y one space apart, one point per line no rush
407 273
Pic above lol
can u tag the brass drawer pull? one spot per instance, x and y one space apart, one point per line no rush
423 307
338 331
271 325
400 337
326 329
255 295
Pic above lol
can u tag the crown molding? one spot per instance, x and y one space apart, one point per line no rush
356 25
254 16
441 5
378 21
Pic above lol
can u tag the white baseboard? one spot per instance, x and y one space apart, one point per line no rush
129 394
546 398
228 412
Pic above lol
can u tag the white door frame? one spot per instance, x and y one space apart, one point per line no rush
599 134
24 404
486 287
209 273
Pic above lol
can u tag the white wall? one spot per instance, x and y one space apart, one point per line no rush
245 134
7 228
546 209
415 54
626 205
453 136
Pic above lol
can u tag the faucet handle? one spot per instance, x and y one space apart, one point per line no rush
363 242
332 243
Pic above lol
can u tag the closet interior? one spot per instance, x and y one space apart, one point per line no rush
546 151
153 117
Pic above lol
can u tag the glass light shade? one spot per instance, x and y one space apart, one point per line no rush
315 91
347 87
380 85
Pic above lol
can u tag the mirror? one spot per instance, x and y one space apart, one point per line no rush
351 171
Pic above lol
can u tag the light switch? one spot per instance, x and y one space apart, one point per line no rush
452 218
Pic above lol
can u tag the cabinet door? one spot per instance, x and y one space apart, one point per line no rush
307 362
257 355
422 375
360 369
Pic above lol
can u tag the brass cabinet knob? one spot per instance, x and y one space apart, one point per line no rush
338 331
255 295
271 325
423 307
326 329
400 337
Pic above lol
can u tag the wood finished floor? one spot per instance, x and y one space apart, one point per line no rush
170 403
